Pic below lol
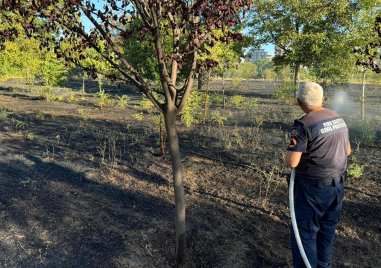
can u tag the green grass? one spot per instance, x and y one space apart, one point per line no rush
355 170
3 114
138 117
236 100
366 128
40 115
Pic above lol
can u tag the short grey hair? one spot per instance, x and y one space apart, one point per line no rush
310 94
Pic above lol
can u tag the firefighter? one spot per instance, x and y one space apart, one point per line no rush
318 151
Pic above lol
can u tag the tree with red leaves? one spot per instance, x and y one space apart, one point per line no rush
369 55
186 25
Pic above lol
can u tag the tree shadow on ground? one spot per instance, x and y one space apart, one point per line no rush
76 221
79 222
47 205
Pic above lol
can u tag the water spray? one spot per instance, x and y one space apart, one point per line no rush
293 220
339 100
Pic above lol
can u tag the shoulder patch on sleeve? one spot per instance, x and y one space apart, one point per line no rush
293 143
298 137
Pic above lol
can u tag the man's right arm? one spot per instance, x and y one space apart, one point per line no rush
349 150
297 145
293 158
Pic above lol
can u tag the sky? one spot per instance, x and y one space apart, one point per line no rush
269 48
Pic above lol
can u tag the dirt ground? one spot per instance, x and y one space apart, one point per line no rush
85 187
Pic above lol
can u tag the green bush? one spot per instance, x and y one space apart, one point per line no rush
285 91
104 99
138 117
145 103
72 98
29 136
40 115
3 114
20 58
53 71
216 98
366 129
355 170
236 82
250 103
237 100
16 114
123 101
217 118
258 119
46 92
21 125
191 112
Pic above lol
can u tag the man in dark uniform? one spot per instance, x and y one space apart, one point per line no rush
318 151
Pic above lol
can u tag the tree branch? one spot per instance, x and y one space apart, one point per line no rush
113 46
168 87
188 88
143 13
106 57
176 50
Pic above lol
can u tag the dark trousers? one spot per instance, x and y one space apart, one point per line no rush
317 210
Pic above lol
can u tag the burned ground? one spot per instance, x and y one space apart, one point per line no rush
85 187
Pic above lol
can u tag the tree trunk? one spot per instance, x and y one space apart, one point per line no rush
363 96
199 85
170 123
100 82
223 89
206 97
83 85
162 144
296 77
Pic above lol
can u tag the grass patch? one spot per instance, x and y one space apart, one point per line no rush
355 170
366 128
3 114
40 115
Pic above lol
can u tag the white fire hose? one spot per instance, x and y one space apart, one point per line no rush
293 220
